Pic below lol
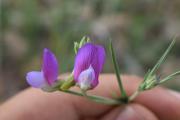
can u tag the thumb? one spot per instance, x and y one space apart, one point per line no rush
130 112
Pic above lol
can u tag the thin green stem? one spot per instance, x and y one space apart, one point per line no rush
84 93
134 95
171 76
116 67
98 99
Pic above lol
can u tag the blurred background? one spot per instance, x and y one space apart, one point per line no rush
140 30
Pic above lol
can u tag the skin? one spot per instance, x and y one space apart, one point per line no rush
34 104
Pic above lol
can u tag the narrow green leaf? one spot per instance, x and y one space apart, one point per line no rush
171 76
116 68
163 58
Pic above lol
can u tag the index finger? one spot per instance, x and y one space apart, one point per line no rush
56 105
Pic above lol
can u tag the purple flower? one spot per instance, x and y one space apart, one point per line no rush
88 65
49 73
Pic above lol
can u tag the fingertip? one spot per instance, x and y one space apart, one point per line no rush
163 102
175 94
130 112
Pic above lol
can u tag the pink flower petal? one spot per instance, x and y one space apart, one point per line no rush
50 66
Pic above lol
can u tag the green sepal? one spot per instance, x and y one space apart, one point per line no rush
83 41
76 47
68 83
53 87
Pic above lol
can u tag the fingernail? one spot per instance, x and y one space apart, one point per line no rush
127 114
174 93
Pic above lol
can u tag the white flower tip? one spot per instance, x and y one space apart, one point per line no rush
84 86
86 78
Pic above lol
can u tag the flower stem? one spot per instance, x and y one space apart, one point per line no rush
134 95
98 99
116 67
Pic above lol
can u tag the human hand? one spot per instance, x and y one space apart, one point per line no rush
34 104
